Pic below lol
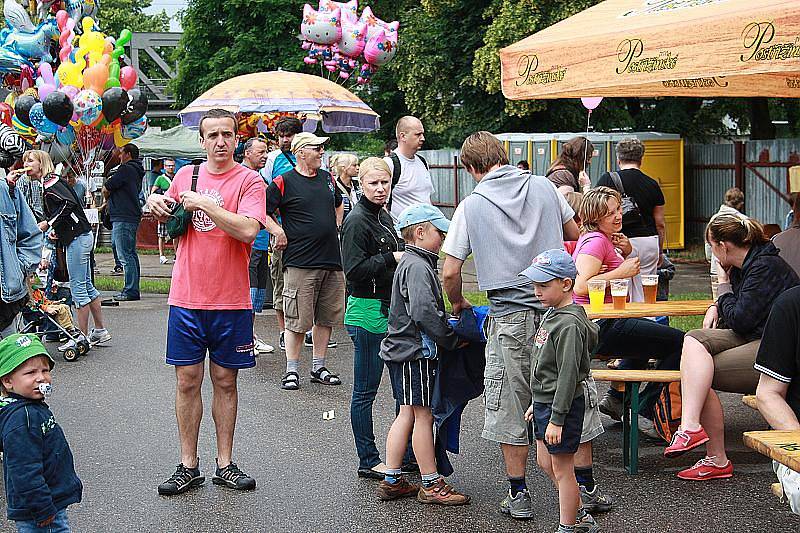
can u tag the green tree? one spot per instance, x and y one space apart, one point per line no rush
226 39
116 15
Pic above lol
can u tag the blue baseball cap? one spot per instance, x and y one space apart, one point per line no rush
551 264
419 213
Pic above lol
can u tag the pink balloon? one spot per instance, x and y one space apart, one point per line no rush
591 102
128 78
69 90
61 18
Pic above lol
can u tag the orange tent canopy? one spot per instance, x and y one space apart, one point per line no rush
661 48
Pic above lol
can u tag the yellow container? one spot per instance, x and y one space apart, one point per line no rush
663 161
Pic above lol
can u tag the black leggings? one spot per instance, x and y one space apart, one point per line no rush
636 340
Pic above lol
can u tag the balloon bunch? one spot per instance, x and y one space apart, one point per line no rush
90 104
335 37
252 124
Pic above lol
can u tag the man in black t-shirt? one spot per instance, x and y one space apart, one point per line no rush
778 360
646 232
313 292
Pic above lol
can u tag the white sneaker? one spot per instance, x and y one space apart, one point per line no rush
164 260
262 347
71 343
98 336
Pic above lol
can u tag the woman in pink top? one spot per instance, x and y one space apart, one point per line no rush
603 252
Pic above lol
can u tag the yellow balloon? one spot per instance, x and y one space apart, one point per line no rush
11 98
119 140
70 74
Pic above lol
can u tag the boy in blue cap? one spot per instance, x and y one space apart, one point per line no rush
38 469
417 325
561 355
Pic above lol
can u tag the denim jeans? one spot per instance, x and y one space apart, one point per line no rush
636 340
59 525
124 236
79 265
367 373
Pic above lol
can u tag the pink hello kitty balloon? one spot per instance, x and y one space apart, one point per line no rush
381 48
374 24
319 27
354 38
349 10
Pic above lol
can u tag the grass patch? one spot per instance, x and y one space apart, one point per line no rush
692 252
108 283
169 252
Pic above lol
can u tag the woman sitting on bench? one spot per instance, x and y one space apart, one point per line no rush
721 355
597 256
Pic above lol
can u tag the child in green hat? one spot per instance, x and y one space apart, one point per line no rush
38 469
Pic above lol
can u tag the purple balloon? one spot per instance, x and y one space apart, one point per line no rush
70 90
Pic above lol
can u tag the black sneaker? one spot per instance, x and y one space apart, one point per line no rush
182 480
233 478
282 343
309 342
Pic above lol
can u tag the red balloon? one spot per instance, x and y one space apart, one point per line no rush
6 113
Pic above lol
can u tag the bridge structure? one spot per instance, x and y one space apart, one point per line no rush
152 55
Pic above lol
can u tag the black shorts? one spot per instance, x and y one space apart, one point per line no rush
412 381
570 432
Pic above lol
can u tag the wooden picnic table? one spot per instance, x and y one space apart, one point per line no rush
781 446
634 379
641 310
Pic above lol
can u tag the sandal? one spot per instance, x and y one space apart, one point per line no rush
324 376
290 381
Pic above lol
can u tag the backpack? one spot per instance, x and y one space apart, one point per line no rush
667 411
396 173
631 214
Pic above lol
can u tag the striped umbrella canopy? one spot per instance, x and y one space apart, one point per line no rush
319 99
661 48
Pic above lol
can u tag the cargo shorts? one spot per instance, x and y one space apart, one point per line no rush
507 378
312 297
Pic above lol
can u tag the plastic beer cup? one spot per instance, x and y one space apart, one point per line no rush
597 294
619 293
650 286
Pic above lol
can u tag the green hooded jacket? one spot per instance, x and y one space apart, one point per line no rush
561 353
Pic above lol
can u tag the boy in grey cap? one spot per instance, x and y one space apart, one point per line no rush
561 355
417 325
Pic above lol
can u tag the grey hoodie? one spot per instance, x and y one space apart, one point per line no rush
512 216
561 355
417 307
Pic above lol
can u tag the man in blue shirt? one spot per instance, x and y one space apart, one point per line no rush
255 155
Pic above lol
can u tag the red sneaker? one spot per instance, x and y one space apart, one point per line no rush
685 440
705 469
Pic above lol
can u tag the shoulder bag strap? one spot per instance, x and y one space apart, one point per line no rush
395 177
289 159
195 173
617 182
424 162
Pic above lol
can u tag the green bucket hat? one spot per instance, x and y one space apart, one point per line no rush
18 348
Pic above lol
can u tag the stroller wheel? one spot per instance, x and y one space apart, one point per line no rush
70 354
83 347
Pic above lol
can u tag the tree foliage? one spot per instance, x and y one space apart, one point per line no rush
116 15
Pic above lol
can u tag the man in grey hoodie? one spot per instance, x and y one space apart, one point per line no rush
511 217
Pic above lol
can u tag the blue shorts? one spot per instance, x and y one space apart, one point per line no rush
570 431
226 335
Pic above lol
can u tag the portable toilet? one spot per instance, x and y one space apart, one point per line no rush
663 161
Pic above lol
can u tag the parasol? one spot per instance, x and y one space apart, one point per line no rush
321 100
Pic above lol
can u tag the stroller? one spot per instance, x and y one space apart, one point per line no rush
34 319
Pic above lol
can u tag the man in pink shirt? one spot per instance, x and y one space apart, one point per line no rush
210 307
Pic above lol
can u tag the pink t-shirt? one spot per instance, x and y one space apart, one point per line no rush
597 245
211 267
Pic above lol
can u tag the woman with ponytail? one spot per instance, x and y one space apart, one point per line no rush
568 171
344 168
721 355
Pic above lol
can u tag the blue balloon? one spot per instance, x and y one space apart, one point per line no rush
66 136
33 45
39 121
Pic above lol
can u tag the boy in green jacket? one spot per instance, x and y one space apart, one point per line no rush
561 354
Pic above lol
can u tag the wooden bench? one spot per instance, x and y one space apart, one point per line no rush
750 401
781 446
630 414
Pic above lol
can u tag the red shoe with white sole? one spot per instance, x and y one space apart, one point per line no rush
685 440
705 469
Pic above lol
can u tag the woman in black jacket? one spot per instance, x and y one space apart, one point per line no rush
370 252
67 222
721 355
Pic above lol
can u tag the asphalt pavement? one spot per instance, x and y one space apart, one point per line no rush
116 408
